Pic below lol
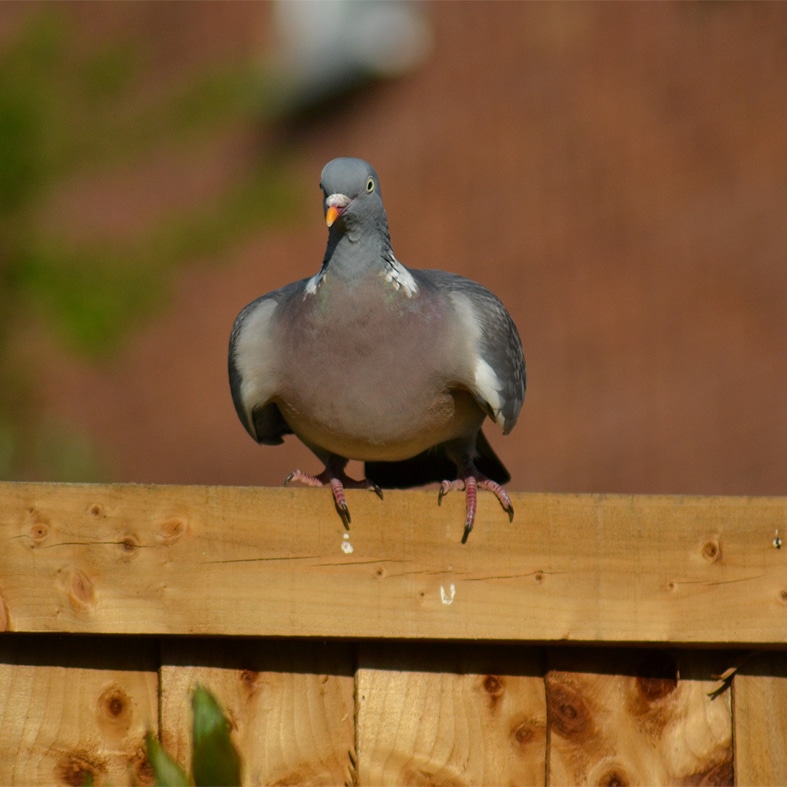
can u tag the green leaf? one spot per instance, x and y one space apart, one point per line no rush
216 762
166 771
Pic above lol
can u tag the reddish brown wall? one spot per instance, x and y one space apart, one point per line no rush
616 173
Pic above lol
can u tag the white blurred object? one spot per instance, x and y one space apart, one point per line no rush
328 47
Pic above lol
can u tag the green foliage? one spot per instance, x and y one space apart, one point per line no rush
63 111
215 760
166 770
68 109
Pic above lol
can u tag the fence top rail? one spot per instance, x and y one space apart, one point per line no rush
133 559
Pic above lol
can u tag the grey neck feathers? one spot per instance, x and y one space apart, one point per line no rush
356 249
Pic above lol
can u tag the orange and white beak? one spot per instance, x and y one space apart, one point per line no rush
335 205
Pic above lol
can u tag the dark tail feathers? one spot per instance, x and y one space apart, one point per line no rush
434 466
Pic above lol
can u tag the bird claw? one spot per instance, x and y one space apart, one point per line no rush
449 486
338 481
344 512
509 510
470 483
305 478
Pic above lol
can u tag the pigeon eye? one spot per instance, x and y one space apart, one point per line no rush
370 185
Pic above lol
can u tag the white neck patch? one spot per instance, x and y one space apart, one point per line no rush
400 277
312 284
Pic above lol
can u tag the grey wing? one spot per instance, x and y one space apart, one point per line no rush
252 366
496 372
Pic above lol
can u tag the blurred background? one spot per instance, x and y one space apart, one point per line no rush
617 173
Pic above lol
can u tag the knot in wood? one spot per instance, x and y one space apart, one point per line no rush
38 532
493 685
711 550
78 768
114 707
523 733
657 676
38 526
142 767
129 544
614 778
569 715
171 530
719 773
81 589
249 679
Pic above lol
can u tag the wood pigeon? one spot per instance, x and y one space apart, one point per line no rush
371 361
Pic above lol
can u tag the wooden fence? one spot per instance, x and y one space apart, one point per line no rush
595 640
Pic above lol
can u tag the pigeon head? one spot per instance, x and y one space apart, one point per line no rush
351 196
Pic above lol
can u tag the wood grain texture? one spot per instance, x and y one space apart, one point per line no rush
442 715
277 562
637 717
306 711
290 705
76 710
760 691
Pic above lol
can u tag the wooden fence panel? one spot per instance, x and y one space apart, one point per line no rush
637 717
290 705
760 690
75 710
277 562
324 644
438 714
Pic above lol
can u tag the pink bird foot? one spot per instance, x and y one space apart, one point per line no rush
338 480
470 482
